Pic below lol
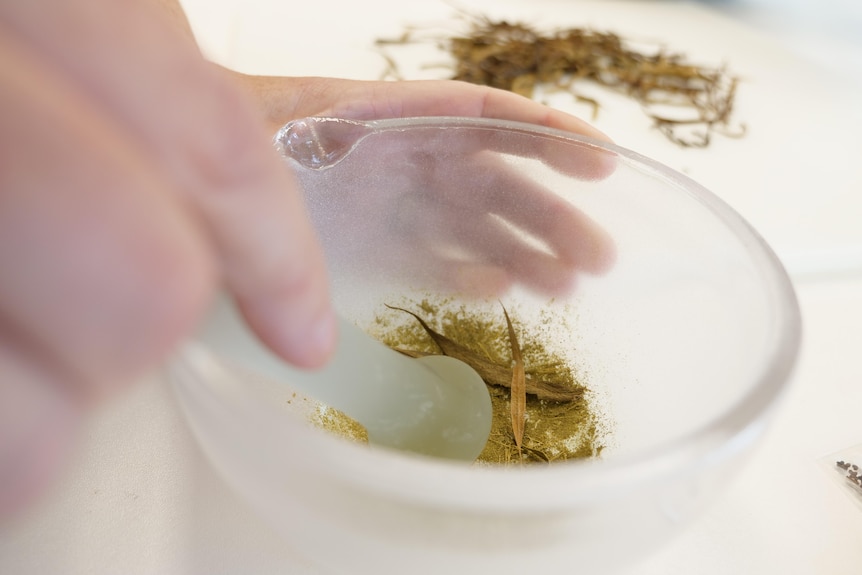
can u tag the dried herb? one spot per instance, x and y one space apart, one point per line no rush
561 428
518 395
519 58
542 384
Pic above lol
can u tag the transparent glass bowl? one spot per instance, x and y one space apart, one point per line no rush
678 316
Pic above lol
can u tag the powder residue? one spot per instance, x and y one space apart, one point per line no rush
555 429
339 423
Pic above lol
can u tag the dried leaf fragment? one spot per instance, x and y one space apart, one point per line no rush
519 58
554 430
493 373
518 401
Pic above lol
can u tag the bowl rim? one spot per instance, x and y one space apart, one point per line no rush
415 479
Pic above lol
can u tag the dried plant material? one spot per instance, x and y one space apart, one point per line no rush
338 423
518 395
554 429
542 384
328 418
688 103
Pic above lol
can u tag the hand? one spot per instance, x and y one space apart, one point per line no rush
576 243
414 206
135 181
283 99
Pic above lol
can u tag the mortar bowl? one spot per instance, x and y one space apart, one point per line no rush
674 312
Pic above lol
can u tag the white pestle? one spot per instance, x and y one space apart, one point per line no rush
436 405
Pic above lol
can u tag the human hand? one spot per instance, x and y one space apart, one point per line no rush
457 205
577 245
282 99
135 179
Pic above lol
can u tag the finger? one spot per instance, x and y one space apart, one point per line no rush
376 100
480 240
38 425
422 193
476 275
207 139
438 271
469 279
492 242
100 266
489 185
464 139
372 100
464 193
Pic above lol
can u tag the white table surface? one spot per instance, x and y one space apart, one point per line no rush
140 497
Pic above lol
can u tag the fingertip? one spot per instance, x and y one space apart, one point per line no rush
591 162
596 253
479 280
502 104
604 255
552 278
303 331
569 123
317 340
